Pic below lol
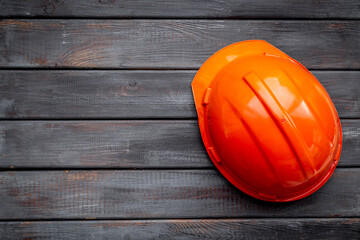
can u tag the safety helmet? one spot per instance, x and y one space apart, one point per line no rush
266 122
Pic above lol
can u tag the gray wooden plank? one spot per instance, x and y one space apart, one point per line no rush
160 194
97 94
130 94
170 43
312 228
122 144
183 9
351 143
107 144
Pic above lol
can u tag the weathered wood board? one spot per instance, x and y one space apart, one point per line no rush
169 44
309 228
348 9
141 194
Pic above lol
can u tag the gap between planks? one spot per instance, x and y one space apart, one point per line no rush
127 169
17 17
152 69
165 219
117 119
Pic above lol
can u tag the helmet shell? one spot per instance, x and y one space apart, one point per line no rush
267 123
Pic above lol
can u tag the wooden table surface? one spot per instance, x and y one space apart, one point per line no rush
99 135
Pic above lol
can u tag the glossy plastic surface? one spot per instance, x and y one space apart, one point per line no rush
267 123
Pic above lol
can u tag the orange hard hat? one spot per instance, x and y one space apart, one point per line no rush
267 123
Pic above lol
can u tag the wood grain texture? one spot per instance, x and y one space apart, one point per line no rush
122 144
99 94
313 228
176 44
182 9
158 175
160 194
130 94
